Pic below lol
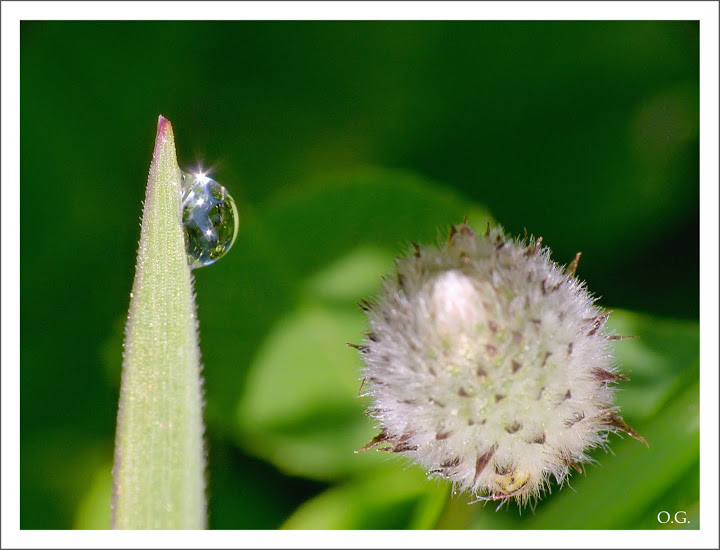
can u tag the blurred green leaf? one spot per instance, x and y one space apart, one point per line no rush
82 456
301 410
93 510
681 496
352 275
664 359
387 498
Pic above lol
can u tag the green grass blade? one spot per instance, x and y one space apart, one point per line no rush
159 470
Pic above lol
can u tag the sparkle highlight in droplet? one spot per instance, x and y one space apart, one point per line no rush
210 219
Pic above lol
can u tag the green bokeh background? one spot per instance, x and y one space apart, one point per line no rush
340 141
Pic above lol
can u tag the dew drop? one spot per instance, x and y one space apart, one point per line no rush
210 219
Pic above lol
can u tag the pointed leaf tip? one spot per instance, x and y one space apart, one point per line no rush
163 129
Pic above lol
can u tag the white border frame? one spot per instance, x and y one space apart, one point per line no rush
13 12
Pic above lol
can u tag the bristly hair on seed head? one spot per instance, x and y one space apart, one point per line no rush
490 365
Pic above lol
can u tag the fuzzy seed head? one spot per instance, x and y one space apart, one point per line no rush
489 365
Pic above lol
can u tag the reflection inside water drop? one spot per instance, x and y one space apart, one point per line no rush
210 219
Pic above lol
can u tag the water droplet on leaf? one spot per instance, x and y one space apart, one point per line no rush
209 217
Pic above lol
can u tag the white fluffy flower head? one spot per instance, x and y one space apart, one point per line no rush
489 365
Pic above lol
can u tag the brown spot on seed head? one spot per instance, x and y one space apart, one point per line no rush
513 428
482 462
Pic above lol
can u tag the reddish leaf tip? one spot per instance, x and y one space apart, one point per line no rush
163 126
164 133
